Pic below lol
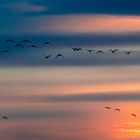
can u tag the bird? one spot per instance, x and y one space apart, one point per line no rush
107 107
128 52
113 51
90 50
34 46
6 51
77 49
134 115
9 41
19 45
117 109
59 55
47 56
4 117
26 41
46 43
99 52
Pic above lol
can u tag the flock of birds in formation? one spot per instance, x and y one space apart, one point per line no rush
49 44
113 51
117 109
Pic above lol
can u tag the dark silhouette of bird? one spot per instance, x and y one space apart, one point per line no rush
6 51
101 52
134 115
90 50
9 41
26 41
77 49
4 117
19 45
34 46
108 107
117 109
47 43
113 51
59 55
128 52
48 56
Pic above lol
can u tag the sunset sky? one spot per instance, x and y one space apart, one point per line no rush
64 98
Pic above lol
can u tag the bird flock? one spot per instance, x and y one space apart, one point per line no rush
29 44
117 109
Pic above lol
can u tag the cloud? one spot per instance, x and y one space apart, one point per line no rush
70 24
23 7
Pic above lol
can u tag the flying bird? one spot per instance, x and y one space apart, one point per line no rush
4 117
26 41
47 43
34 46
9 41
48 56
113 51
128 52
99 52
19 45
59 55
6 51
108 107
90 50
134 115
77 49
117 109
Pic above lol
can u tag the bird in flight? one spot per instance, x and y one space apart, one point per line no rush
134 115
34 46
19 45
47 43
59 55
128 52
4 117
9 41
113 50
77 49
48 56
90 50
6 51
117 109
26 41
108 107
99 52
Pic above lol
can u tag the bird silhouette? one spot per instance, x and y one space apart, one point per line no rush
128 52
90 50
101 52
34 46
9 41
108 107
77 49
59 55
47 43
26 41
6 51
4 117
117 109
48 56
113 51
19 45
134 115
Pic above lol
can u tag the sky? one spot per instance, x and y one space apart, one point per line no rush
97 24
63 98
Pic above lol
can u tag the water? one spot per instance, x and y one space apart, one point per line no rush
67 103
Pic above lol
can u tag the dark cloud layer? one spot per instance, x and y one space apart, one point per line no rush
129 7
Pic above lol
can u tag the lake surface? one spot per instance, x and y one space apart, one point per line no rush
67 103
